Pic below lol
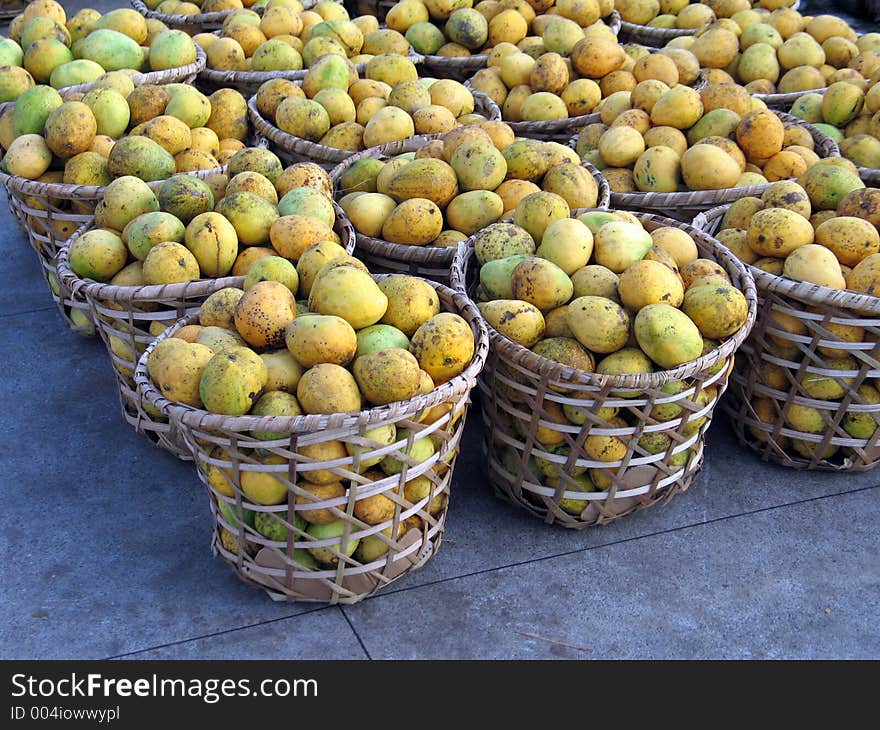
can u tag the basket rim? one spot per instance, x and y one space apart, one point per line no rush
801 290
70 191
453 388
218 76
789 97
164 76
180 19
549 126
323 153
526 358
428 254
92 289
656 34
870 175
689 198
98 290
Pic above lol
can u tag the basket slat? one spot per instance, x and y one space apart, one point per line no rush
226 443
776 363
527 441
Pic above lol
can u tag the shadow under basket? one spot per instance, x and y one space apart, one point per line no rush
431 262
48 214
578 448
803 393
330 508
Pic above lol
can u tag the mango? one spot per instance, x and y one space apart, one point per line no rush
170 263
213 241
185 197
33 108
140 157
667 335
109 49
500 240
443 346
176 367
124 200
328 388
232 380
816 264
28 156
350 293
97 254
473 211
520 321
150 229
618 244
321 339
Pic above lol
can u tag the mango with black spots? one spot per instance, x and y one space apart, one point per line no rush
667 335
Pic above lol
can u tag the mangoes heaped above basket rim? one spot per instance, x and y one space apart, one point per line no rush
451 187
45 47
667 140
287 39
150 132
457 30
334 107
821 229
256 221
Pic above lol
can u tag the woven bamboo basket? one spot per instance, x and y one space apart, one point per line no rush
646 35
431 262
49 214
534 456
196 23
784 102
685 206
10 8
870 176
177 75
224 445
789 346
249 82
123 316
462 68
296 149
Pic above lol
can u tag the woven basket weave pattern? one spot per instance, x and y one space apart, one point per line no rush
776 362
227 444
527 436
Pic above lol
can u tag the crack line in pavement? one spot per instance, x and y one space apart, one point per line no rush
219 633
354 631
492 570
621 541
4 315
